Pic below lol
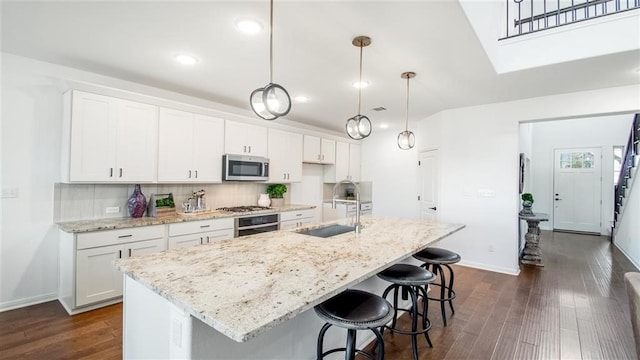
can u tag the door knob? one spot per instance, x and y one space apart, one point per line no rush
433 208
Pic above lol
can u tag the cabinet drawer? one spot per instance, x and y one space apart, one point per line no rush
193 227
119 236
299 214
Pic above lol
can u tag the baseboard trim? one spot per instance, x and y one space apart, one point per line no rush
34 300
626 255
514 272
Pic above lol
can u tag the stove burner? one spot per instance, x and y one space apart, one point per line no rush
244 208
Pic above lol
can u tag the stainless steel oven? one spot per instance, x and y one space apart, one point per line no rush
245 168
255 224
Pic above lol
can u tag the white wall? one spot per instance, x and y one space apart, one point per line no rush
394 173
479 151
602 132
588 39
627 233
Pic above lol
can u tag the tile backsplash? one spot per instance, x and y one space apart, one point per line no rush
90 201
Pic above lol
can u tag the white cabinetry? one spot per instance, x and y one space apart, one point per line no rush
108 139
87 276
285 156
294 219
344 210
200 232
190 147
245 139
347 164
319 150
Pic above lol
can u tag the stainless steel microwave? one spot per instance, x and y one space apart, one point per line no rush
244 168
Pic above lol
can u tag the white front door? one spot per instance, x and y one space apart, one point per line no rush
577 188
429 184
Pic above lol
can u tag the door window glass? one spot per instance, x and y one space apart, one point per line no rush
577 160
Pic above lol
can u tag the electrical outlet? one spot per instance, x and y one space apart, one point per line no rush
112 210
486 193
492 248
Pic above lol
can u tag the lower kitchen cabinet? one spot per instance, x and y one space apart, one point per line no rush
87 276
294 219
200 232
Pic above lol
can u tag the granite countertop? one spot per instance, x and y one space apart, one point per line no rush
122 223
242 290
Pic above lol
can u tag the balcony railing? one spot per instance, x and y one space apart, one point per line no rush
529 16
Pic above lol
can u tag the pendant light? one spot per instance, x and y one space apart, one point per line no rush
359 126
406 139
271 101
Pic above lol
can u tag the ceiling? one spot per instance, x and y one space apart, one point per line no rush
313 54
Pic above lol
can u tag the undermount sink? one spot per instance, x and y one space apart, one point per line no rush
328 231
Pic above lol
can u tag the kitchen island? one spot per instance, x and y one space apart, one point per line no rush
248 298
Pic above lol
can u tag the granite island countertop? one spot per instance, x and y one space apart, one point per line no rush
245 286
123 223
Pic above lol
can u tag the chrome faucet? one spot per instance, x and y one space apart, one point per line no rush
357 224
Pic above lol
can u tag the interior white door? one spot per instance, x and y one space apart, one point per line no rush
577 180
429 184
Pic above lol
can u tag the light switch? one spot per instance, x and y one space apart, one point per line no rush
9 193
486 193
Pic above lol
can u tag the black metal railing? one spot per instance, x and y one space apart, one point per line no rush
628 163
528 16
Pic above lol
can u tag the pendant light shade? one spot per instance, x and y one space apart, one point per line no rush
406 139
271 101
359 126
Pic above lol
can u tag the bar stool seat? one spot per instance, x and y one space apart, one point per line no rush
412 281
434 259
354 310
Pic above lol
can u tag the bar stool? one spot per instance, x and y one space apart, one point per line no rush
410 280
354 310
436 258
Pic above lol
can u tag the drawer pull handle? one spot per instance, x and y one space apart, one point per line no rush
129 252
205 226
119 254
124 236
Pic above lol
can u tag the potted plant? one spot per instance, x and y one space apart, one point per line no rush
276 193
527 203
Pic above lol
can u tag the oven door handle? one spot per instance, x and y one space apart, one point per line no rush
259 226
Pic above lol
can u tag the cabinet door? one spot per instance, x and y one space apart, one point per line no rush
293 157
137 141
342 161
145 247
96 278
354 162
175 146
328 151
93 137
208 140
311 149
277 153
235 138
256 140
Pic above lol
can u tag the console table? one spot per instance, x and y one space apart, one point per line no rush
532 255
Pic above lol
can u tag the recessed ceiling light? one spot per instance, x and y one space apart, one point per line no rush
384 126
249 26
186 59
301 99
360 84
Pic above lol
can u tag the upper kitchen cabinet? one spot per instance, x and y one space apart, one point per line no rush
190 147
245 139
285 156
347 166
319 150
108 139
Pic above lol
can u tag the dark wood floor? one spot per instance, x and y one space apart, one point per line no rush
573 308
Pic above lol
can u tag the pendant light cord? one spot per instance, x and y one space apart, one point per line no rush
271 43
406 126
360 83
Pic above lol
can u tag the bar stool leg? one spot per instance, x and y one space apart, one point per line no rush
378 334
450 288
350 351
321 341
425 310
414 322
